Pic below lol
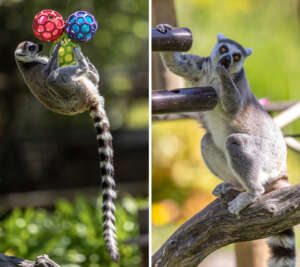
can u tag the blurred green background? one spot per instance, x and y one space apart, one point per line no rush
46 156
181 183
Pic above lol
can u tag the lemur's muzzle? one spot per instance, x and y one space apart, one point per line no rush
225 61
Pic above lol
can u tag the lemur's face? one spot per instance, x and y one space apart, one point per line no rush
229 54
27 51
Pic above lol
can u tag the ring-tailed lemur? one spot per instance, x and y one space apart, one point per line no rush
242 145
70 90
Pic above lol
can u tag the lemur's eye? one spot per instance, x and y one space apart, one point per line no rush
223 49
31 48
236 57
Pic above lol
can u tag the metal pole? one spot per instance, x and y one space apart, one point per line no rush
183 100
178 39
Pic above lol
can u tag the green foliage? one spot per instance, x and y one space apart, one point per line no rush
71 234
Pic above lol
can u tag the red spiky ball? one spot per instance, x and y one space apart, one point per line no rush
48 25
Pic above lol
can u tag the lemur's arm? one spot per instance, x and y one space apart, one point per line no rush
229 95
188 66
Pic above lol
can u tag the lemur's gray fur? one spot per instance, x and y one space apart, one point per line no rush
242 145
71 90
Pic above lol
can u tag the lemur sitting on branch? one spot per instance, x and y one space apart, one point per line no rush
242 145
70 90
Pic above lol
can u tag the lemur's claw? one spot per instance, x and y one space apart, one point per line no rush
163 28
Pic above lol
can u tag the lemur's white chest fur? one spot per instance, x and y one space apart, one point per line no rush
214 121
217 126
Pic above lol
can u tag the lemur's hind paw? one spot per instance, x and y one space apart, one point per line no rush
240 202
221 189
163 28
77 53
56 49
92 68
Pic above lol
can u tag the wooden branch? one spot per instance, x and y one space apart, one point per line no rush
214 227
292 143
279 105
179 39
288 116
41 261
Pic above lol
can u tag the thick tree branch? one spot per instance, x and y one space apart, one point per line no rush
214 227
41 261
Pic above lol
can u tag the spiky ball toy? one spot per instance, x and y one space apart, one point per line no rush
65 52
48 25
81 26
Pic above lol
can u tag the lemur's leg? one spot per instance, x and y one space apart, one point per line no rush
229 94
245 155
53 61
189 66
216 162
85 65
93 72
81 60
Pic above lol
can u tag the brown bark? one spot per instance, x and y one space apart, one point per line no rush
214 227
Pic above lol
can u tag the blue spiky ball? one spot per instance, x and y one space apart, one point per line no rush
81 26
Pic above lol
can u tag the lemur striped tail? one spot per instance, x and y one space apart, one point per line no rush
105 150
282 248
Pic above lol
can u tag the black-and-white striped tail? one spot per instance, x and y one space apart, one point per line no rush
282 248
105 150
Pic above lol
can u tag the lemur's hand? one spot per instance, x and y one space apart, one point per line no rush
56 49
163 28
221 70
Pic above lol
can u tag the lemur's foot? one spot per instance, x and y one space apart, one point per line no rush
92 68
77 53
56 49
221 189
240 202
163 28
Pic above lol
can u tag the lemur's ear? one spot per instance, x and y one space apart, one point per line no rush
249 51
221 37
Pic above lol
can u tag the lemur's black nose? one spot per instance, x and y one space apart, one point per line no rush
225 61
